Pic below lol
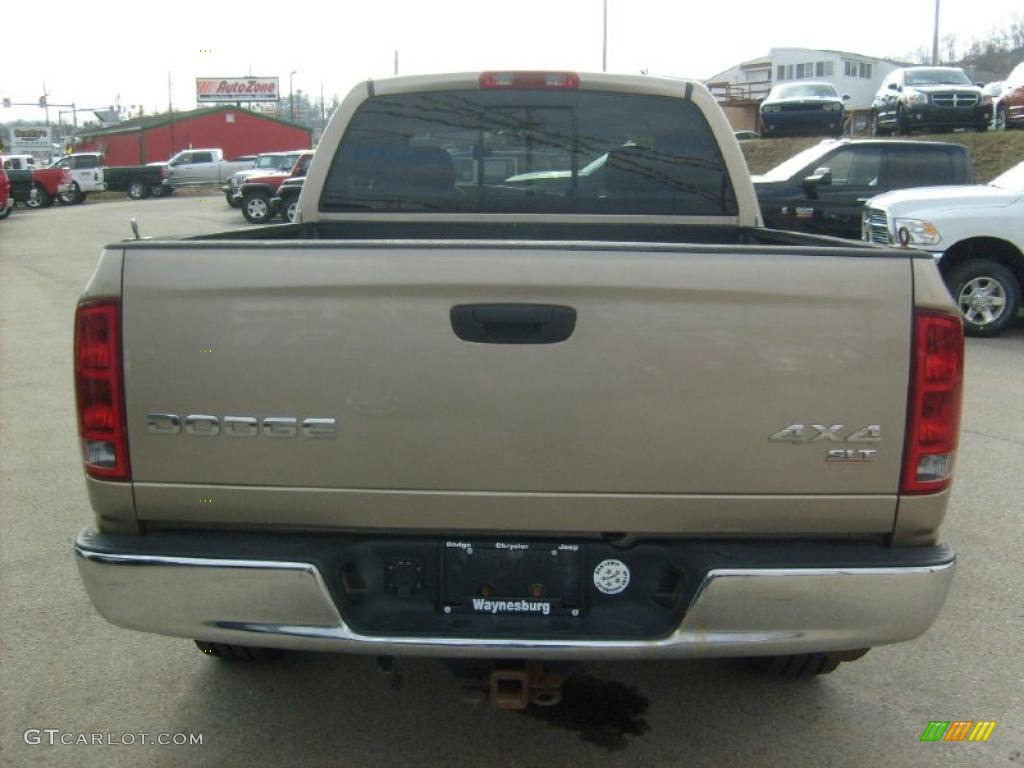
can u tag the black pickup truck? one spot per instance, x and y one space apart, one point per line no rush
138 181
823 189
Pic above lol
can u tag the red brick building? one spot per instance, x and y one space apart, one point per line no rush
153 139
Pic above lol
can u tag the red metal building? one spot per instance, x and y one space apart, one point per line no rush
153 139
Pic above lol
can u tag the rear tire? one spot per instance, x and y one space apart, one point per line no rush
289 209
231 652
804 664
987 295
137 190
38 198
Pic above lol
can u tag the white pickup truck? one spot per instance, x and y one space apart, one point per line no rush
975 233
195 167
88 174
597 416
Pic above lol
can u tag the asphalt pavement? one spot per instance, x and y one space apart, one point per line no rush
67 675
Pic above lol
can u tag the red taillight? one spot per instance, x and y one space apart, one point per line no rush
936 385
530 81
99 388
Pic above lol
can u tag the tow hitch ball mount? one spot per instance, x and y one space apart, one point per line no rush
511 684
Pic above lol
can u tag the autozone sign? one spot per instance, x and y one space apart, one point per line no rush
218 89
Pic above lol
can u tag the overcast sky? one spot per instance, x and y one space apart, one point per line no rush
92 53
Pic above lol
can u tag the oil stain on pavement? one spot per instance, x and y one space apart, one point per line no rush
603 713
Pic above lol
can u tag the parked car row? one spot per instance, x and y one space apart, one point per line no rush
28 183
910 99
33 186
917 194
268 162
90 175
258 192
72 178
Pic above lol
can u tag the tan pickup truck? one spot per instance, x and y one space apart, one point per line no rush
528 379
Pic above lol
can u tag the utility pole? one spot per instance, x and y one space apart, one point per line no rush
396 61
170 111
935 37
291 93
323 108
44 102
604 39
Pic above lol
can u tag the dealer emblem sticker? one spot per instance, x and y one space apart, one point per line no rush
611 577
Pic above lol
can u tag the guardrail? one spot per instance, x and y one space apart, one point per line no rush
733 92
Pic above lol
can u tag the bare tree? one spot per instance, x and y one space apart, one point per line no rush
949 44
1015 35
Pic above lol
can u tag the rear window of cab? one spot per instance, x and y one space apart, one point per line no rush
564 151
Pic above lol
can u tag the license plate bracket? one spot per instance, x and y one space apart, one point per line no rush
513 578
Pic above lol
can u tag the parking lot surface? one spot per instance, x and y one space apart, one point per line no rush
64 668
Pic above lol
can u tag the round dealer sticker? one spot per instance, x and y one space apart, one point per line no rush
611 577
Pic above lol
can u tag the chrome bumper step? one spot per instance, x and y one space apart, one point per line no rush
735 611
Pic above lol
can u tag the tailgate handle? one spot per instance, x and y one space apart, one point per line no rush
513 323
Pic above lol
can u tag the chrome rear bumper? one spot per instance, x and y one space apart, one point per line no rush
735 612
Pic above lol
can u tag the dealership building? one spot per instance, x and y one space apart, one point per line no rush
153 139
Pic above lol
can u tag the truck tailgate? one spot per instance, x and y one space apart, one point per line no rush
655 414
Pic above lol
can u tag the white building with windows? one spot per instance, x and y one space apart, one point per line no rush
851 73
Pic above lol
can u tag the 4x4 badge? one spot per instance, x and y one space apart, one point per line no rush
831 433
